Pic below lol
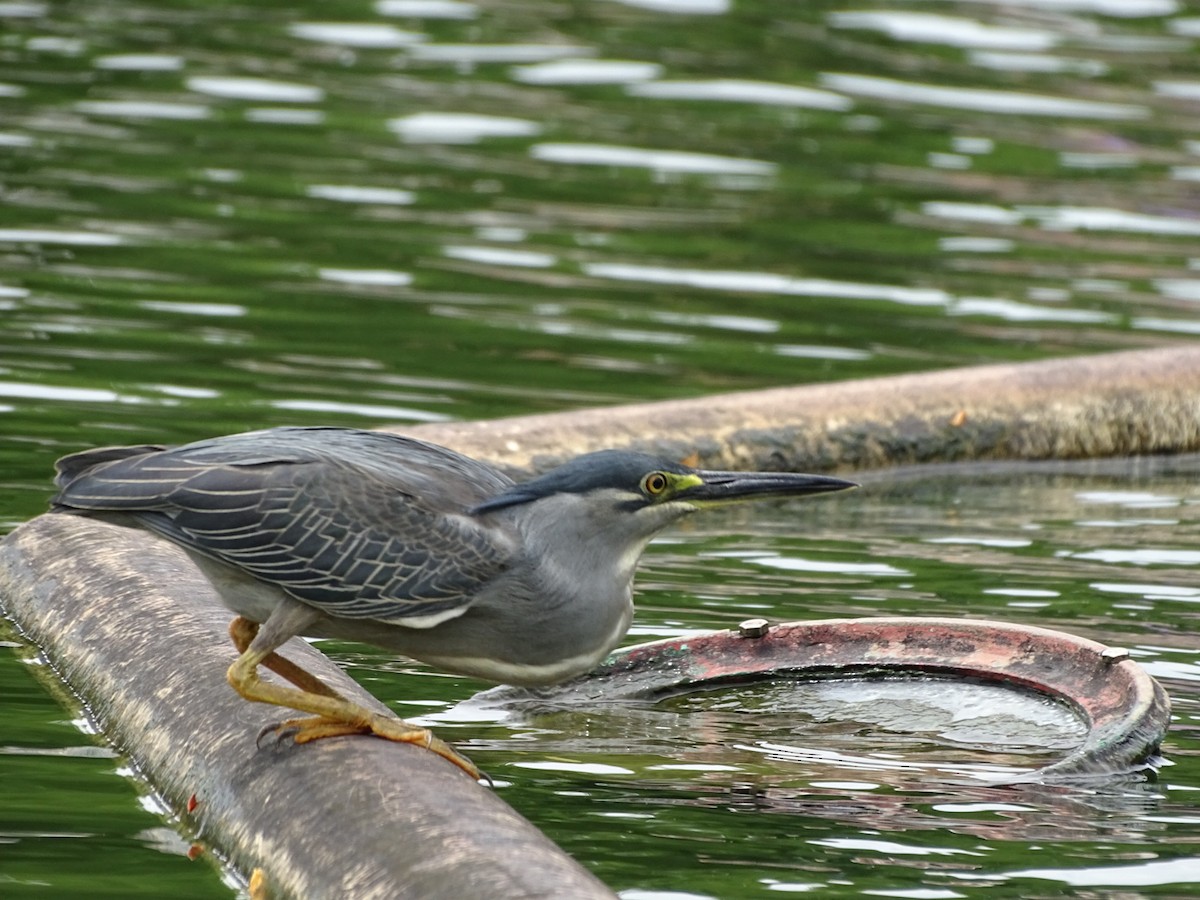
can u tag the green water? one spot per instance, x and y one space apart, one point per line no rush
219 216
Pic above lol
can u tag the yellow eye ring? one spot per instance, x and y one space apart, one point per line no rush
654 483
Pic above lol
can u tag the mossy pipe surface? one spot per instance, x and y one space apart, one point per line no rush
1116 404
135 630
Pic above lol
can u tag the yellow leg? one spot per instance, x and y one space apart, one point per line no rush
332 713
257 888
243 632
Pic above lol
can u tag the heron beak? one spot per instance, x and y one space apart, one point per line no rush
724 487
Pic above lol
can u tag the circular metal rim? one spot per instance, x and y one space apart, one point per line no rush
1127 712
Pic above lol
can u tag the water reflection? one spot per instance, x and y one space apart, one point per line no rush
229 87
586 71
442 122
427 9
446 209
743 91
661 160
459 128
1013 103
143 109
358 34
950 30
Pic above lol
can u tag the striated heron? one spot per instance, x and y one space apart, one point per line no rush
372 537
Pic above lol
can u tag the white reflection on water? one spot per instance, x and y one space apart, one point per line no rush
427 9
876 845
143 109
839 567
768 283
1097 160
65 393
1145 556
1149 591
948 161
501 256
983 213
692 7
270 115
1007 61
367 277
545 322
194 309
1064 218
978 99
240 88
1026 312
1158 323
53 44
368 410
811 351
586 71
969 244
1179 288
1022 592
1130 9
1129 499
723 322
1184 870
743 91
1098 218
16 9
951 30
355 34
183 391
1164 668
52 236
1181 90
496 53
980 541
459 128
580 768
140 62
353 193
661 160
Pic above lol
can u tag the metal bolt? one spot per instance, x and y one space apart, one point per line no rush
754 628
1114 655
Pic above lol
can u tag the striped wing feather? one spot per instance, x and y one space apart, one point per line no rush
359 536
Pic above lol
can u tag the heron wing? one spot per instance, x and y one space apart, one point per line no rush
359 524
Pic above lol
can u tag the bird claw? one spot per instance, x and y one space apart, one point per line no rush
284 731
302 731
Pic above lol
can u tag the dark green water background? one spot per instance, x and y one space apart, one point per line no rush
221 216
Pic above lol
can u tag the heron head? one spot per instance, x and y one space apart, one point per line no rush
627 487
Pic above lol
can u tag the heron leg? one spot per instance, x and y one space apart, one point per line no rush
331 713
243 632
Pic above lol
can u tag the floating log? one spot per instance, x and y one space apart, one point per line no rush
1117 404
128 622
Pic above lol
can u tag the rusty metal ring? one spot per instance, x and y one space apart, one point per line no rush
1126 711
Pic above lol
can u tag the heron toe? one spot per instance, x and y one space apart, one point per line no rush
314 728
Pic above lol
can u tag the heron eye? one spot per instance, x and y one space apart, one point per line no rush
654 483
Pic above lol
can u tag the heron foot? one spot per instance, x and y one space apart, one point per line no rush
330 714
314 728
